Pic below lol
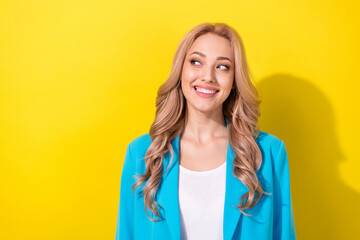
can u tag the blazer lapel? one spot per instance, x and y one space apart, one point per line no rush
234 189
168 195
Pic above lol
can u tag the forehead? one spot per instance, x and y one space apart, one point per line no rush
212 45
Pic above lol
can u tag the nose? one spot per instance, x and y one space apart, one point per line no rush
208 74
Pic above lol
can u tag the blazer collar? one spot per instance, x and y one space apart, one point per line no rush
168 195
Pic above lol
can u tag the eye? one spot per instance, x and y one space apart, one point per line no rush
226 67
193 61
196 62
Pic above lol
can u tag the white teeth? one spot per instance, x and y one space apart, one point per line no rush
204 90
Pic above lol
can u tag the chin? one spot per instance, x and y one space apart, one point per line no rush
205 109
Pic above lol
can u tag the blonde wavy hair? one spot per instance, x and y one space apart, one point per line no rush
241 108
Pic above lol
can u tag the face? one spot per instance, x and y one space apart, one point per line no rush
208 73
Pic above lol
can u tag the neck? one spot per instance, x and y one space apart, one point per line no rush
203 127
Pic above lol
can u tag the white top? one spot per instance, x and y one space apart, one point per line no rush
201 200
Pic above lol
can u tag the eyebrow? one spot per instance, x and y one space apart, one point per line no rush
218 58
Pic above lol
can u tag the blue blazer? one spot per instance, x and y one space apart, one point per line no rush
272 217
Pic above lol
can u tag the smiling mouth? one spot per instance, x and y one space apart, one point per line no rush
205 91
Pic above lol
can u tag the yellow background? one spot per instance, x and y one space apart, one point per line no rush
78 82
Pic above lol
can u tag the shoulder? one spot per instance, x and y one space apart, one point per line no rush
139 145
141 141
268 139
269 144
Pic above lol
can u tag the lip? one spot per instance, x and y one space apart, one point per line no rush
204 95
207 87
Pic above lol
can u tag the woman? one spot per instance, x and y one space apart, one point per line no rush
205 171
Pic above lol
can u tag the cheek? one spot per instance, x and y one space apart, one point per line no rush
227 82
189 74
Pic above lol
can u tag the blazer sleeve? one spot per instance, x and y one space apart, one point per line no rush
125 217
284 226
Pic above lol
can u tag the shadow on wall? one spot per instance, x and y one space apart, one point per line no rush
300 114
